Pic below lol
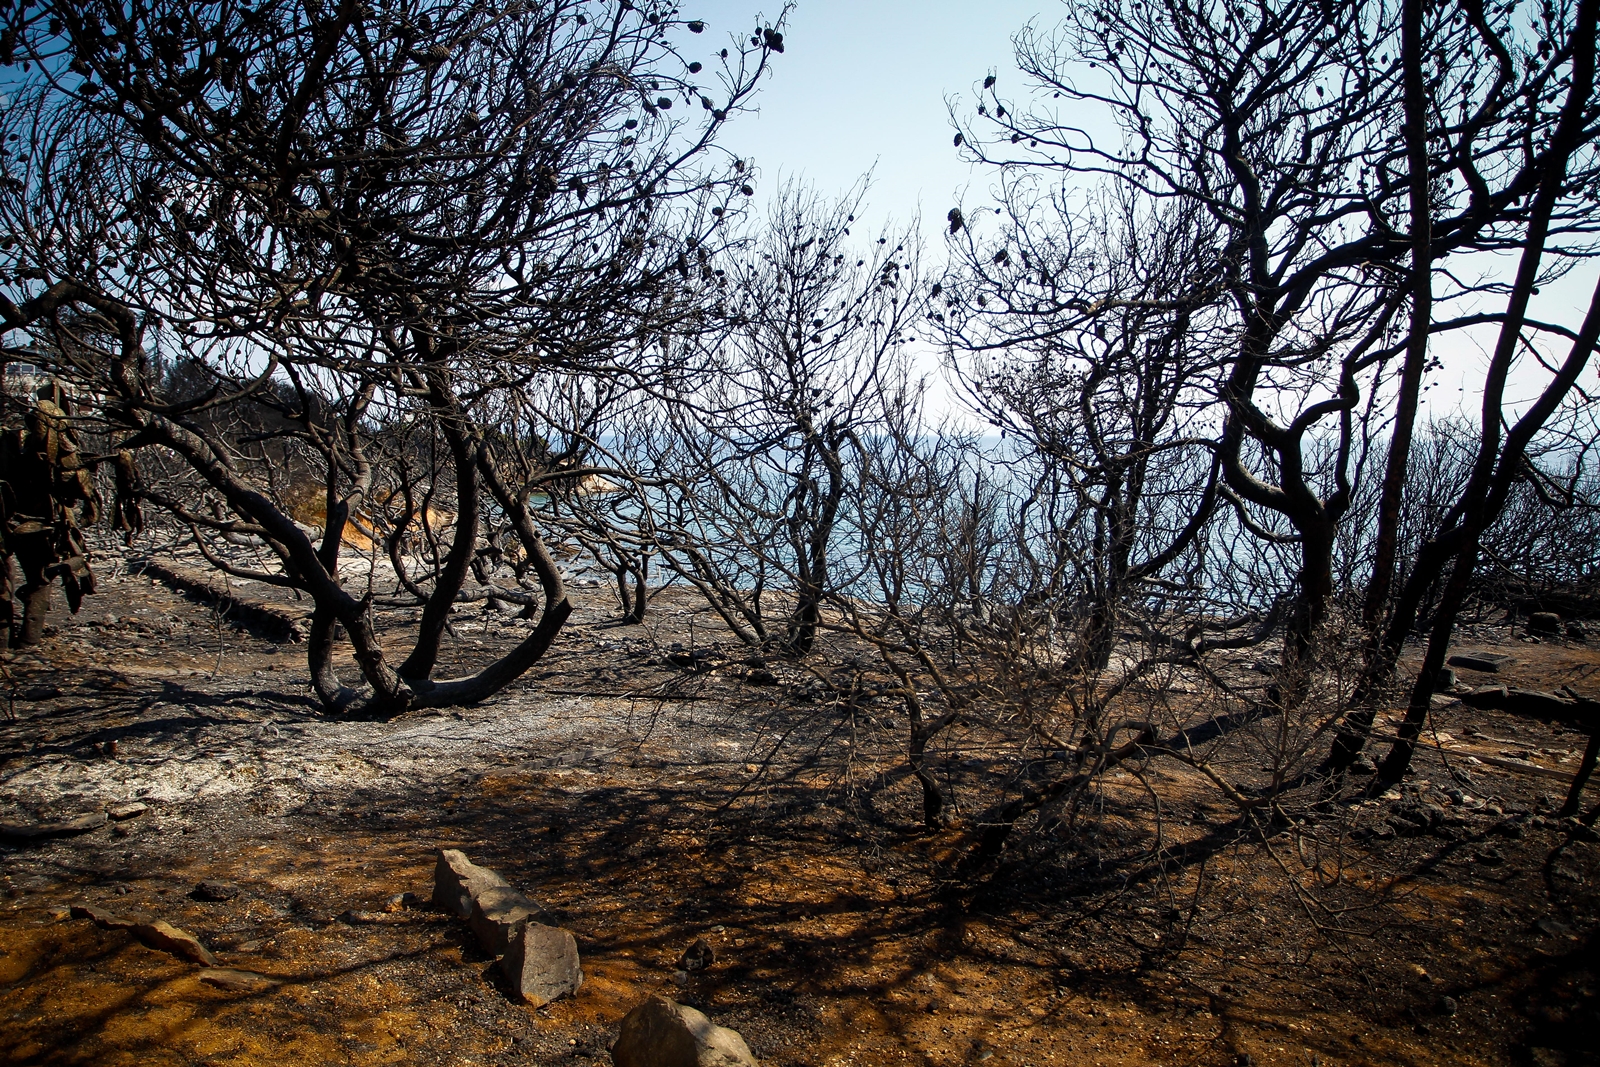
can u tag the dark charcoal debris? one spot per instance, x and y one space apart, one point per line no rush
698 956
1544 623
214 891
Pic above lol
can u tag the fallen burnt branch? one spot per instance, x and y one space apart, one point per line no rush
991 839
264 620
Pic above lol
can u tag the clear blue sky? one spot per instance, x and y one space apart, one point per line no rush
862 86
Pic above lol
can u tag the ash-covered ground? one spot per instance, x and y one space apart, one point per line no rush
649 806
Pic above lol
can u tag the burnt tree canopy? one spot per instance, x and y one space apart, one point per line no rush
1352 160
359 218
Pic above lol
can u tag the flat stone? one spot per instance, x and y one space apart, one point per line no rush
1487 662
663 1033
104 919
81 824
457 881
497 913
131 810
237 981
164 936
541 963
157 933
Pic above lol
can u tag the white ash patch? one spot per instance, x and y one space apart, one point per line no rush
282 763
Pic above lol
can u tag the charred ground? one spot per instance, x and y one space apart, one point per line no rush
646 805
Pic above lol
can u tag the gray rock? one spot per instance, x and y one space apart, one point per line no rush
1363 764
497 912
131 810
663 1033
457 881
1544 622
1577 632
1446 679
541 963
